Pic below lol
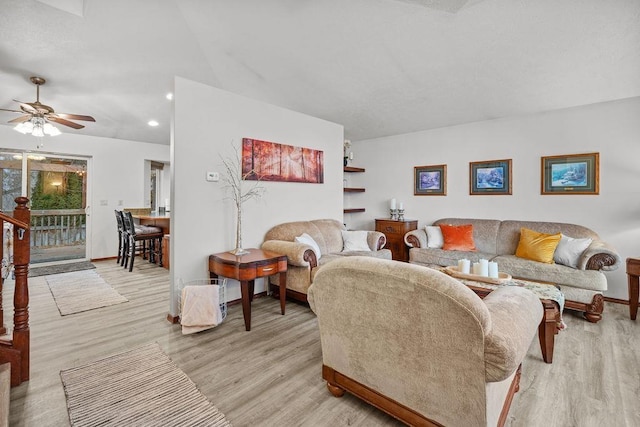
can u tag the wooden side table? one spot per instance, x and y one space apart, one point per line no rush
633 271
395 231
246 268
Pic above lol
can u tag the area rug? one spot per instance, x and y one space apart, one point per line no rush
141 387
60 268
81 291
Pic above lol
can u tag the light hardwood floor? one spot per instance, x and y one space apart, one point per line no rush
270 376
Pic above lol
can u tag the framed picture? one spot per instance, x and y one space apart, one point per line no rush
571 174
490 177
430 180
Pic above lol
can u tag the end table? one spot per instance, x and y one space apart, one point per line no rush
246 268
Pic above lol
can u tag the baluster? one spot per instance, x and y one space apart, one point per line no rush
21 239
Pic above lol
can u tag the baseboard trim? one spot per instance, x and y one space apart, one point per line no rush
103 259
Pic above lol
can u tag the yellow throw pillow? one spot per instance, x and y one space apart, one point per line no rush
537 246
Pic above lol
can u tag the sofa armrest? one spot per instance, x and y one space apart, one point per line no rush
376 240
298 254
515 316
416 238
599 256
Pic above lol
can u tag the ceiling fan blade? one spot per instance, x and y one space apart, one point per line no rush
64 122
13 111
27 107
21 119
75 117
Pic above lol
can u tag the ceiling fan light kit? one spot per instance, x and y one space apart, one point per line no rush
38 116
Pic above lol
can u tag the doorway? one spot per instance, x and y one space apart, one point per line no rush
56 186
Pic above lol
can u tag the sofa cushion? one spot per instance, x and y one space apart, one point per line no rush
484 232
537 246
435 240
569 250
458 237
444 258
355 241
330 229
508 234
552 273
308 240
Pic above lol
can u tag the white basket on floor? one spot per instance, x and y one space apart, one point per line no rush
222 284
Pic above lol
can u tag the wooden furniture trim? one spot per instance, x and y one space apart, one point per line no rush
353 190
338 383
354 210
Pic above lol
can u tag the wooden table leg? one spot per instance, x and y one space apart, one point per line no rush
633 296
246 304
548 329
252 287
283 290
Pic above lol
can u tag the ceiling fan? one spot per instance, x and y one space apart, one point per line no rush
38 115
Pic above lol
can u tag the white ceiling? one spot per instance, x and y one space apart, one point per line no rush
379 67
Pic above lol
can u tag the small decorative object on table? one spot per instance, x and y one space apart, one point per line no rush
234 179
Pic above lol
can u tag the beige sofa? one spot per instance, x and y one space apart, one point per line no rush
302 260
420 345
497 240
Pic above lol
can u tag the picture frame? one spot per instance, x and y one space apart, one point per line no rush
571 174
490 177
430 180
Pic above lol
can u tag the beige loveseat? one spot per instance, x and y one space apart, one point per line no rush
302 260
497 240
420 345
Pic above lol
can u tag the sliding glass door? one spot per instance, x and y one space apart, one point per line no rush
57 189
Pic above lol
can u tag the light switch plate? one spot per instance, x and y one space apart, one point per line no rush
213 176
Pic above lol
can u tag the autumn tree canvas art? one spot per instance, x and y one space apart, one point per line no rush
271 161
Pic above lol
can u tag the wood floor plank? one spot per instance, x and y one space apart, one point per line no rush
272 375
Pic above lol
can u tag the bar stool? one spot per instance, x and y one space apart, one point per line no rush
122 237
138 237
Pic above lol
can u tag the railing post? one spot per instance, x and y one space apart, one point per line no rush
3 330
21 258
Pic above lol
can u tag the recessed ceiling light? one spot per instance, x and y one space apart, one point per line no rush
153 123
169 96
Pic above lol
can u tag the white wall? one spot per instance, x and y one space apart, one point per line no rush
612 129
206 122
116 172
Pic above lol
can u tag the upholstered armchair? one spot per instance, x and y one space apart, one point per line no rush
420 345
326 240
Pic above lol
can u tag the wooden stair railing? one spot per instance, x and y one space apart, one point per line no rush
14 348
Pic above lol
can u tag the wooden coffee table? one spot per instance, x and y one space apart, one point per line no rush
246 268
548 327
551 318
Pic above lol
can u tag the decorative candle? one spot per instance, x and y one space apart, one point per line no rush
493 269
400 205
476 268
393 204
484 267
466 266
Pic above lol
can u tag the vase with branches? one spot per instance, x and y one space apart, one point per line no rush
240 190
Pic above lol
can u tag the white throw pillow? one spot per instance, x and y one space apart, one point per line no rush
434 237
355 241
569 250
304 238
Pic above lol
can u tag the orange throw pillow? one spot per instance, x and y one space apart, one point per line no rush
537 246
458 237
